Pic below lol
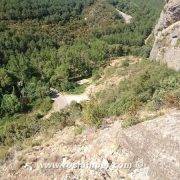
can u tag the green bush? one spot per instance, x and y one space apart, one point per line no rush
43 105
127 103
97 74
92 114
10 104
78 89
130 121
150 85
18 128
65 117
27 127
16 131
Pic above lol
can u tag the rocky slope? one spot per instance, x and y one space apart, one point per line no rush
107 153
158 143
166 48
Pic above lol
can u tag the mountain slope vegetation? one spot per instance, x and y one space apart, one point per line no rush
47 44
53 44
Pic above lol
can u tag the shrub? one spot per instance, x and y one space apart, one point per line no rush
43 105
173 99
96 74
150 85
130 122
127 103
18 130
92 114
10 104
77 89
58 120
75 109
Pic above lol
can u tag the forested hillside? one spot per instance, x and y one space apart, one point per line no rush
75 75
54 43
51 11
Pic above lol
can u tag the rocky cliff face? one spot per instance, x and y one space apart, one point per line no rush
166 48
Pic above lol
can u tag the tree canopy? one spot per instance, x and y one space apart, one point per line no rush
47 44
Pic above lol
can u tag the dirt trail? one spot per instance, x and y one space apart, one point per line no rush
64 100
126 17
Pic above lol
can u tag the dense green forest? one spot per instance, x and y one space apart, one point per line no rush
54 43
51 11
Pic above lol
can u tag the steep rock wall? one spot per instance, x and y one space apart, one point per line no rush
166 48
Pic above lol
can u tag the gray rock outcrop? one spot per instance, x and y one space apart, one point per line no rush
166 48
149 150
157 142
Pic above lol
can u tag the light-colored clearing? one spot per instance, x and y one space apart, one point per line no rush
127 18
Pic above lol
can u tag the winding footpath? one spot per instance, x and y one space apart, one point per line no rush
63 100
127 18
